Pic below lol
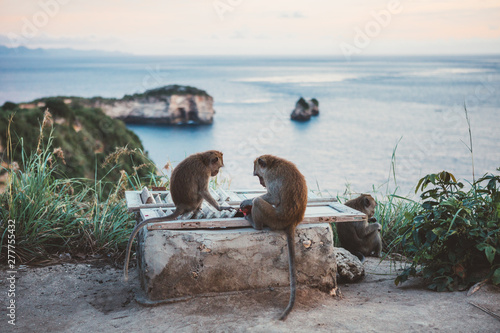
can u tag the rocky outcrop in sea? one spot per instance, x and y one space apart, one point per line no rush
304 110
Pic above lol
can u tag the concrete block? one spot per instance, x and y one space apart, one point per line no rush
180 263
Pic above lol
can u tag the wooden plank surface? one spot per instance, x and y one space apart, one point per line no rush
319 210
315 213
134 202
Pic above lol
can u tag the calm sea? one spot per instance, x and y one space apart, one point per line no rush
368 107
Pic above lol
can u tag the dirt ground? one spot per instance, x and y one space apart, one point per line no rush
93 298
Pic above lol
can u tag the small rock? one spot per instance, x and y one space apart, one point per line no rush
349 267
302 111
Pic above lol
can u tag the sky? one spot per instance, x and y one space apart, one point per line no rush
255 27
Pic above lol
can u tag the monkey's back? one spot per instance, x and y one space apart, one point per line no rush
186 180
292 188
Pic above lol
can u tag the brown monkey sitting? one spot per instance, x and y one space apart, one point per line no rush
188 187
281 208
361 238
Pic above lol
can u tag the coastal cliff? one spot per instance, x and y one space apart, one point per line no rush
170 105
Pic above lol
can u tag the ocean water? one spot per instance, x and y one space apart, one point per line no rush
371 109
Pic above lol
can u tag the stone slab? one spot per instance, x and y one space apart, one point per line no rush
182 263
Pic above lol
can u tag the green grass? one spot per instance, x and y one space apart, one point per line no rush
57 215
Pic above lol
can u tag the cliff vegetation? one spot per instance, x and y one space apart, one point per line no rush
84 137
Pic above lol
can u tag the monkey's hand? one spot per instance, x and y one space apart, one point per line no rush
226 208
247 210
246 207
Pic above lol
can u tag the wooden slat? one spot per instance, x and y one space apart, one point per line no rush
315 213
238 222
214 194
343 208
224 196
157 198
134 202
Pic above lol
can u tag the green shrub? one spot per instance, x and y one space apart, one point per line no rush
59 109
86 137
54 214
454 236
9 106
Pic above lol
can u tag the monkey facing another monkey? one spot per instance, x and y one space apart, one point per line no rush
361 238
281 208
188 187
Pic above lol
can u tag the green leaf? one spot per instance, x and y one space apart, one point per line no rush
438 231
490 253
454 217
418 185
481 246
496 276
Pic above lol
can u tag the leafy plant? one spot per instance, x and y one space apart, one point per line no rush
454 236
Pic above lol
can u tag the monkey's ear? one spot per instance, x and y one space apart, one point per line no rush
261 162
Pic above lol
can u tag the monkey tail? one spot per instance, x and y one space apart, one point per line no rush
136 230
360 256
290 238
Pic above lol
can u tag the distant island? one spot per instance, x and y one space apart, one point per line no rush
168 105
23 51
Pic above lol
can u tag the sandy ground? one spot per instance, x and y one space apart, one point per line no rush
93 298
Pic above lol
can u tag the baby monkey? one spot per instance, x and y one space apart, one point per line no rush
361 238
188 187
281 208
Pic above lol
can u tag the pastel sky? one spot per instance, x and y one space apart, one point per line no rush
253 27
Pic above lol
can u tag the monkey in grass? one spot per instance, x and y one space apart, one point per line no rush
281 208
188 187
361 238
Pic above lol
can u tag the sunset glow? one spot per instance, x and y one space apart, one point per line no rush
253 27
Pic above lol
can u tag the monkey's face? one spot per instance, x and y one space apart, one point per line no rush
370 205
259 169
216 162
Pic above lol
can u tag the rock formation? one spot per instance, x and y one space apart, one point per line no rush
168 105
171 105
305 109
314 105
349 268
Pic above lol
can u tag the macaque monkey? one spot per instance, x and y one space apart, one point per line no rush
281 208
361 238
188 187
